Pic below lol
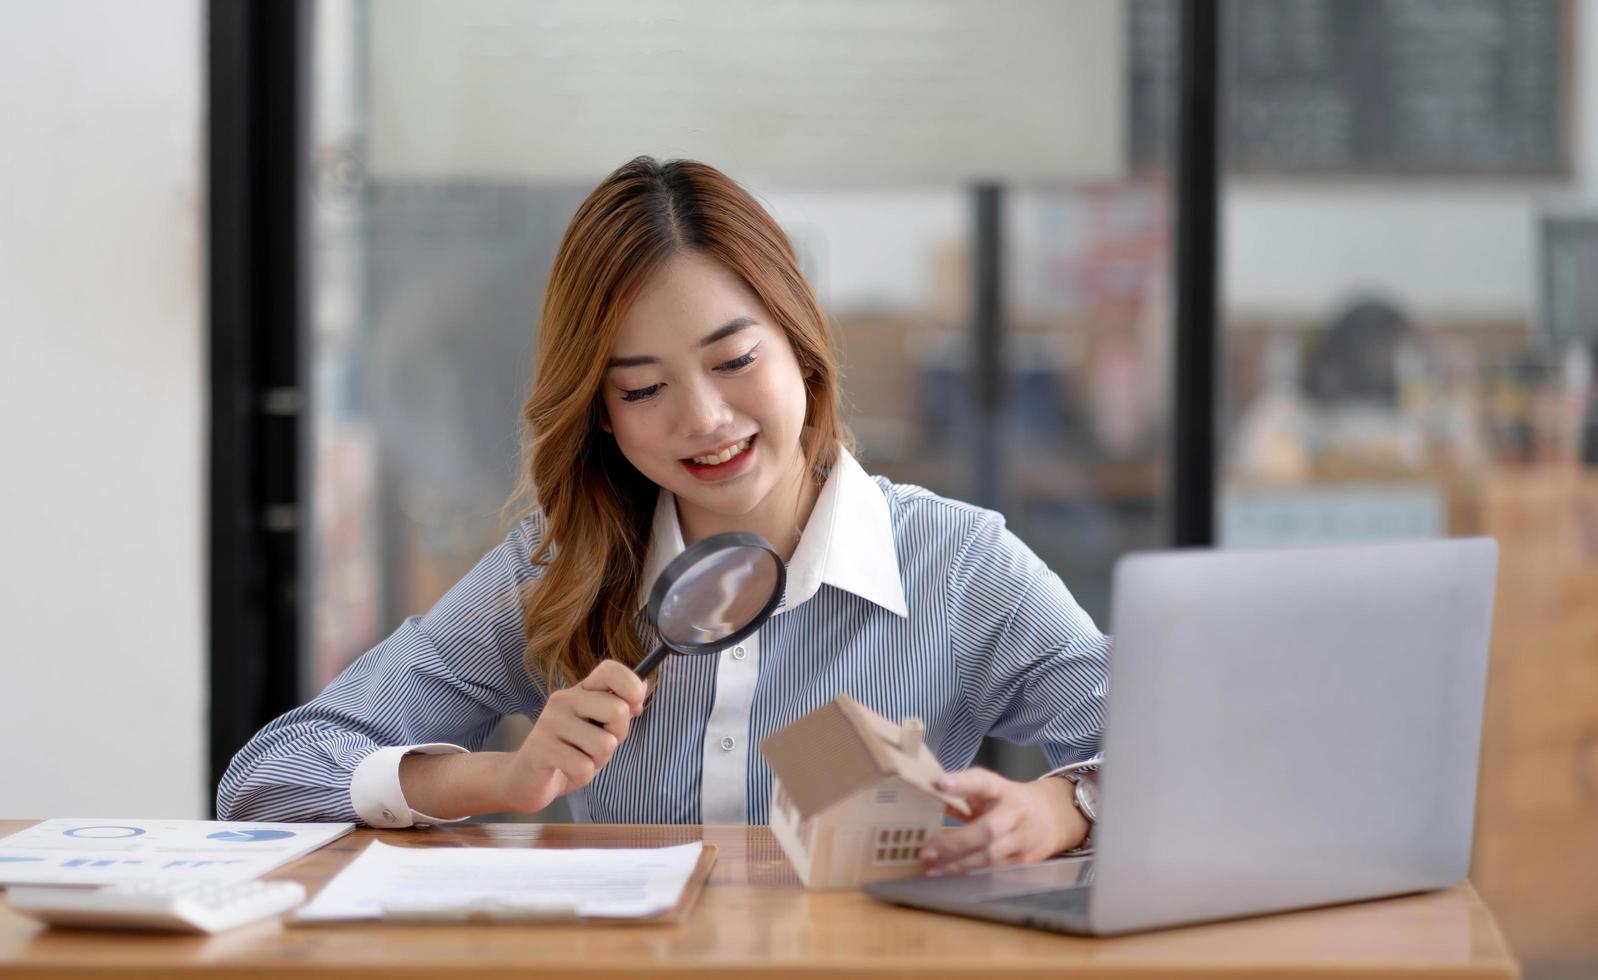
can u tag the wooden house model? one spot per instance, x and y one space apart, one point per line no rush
853 798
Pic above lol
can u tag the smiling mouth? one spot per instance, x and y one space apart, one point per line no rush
732 452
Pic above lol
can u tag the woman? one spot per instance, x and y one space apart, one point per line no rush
687 385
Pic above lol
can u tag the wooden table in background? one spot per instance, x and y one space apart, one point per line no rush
1536 859
754 918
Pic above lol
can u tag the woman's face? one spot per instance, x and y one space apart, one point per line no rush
703 392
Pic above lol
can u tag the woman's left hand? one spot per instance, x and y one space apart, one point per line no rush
1010 822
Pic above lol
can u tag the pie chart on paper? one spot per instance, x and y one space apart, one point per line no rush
103 833
249 836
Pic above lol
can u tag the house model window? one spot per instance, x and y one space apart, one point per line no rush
854 797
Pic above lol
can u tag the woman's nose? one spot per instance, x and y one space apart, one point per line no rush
704 410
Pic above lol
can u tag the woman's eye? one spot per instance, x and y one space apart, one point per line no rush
639 394
739 362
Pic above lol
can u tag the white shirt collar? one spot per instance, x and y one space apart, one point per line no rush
847 543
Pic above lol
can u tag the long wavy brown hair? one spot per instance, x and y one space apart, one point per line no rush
598 509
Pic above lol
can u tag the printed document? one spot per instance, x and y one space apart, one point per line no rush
509 883
111 850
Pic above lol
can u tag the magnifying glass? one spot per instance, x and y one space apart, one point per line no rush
713 595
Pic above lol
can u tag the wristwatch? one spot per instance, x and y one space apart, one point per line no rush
1085 794
1086 797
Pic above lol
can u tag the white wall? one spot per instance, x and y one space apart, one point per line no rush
102 410
1462 249
887 93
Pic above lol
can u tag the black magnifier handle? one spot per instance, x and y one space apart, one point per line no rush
647 665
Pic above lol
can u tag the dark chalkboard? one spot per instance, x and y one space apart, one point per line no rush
1570 280
1422 87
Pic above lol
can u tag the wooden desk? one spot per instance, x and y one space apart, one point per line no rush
755 918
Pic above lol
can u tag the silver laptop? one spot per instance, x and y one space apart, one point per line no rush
1286 729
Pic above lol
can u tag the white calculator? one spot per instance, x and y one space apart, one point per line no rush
165 906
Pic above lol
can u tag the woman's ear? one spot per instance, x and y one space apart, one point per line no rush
604 421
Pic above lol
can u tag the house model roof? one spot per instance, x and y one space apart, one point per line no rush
843 747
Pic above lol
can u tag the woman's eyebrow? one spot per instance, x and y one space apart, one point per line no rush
727 330
720 333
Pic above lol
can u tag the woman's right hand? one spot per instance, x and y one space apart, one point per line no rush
575 735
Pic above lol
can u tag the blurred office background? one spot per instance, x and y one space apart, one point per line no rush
984 197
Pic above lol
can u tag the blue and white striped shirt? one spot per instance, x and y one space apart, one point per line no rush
912 603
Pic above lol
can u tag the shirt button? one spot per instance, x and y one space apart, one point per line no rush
727 742
738 653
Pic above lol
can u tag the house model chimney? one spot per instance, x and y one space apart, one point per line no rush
910 735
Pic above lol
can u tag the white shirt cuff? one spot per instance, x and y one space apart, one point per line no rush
1088 767
375 788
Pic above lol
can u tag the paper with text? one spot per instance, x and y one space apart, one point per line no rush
386 881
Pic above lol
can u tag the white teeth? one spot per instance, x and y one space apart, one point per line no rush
722 456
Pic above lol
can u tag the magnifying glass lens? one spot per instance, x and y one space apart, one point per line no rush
717 597
713 595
